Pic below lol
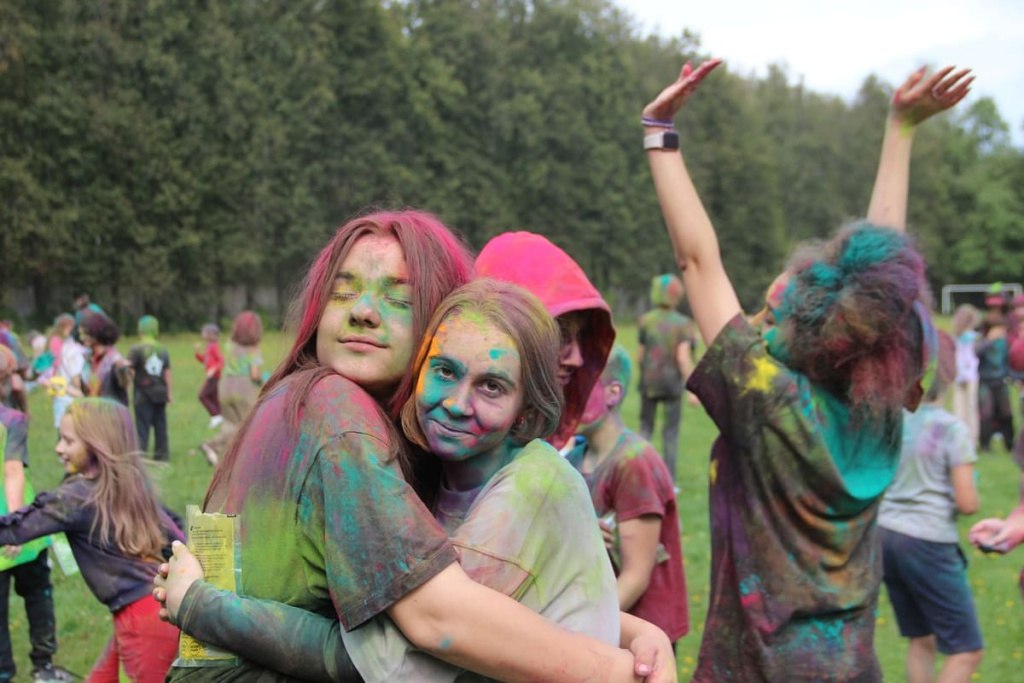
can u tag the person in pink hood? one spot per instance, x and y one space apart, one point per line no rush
584 318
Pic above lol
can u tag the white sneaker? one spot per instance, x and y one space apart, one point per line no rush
216 421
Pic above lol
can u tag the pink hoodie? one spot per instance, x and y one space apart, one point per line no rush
534 263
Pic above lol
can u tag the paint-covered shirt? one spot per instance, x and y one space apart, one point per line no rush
328 523
239 360
993 359
794 492
920 502
661 331
104 378
531 534
114 578
633 481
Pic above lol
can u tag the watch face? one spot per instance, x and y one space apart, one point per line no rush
668 139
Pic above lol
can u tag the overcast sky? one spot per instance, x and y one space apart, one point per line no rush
833 46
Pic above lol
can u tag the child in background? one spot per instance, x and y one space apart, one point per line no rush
213 363
108 372
13 393
117 531
240 382
995 415
965 388
41 364
665 356
584 318
925 571
66 382
27 565
629 480
152 367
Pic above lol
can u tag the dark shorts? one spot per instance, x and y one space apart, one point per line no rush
928 590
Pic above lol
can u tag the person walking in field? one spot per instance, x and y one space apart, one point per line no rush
151 367
664 354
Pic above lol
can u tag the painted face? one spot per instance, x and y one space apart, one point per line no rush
365 332
764 320
570 356
469 392
71 449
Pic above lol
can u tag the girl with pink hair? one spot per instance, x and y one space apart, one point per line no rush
318 475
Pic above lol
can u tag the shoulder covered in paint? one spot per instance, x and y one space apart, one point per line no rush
641 483
739 357
539 473
337 406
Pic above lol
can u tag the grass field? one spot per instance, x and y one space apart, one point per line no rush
84 624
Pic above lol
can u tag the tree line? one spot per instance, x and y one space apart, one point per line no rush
156 152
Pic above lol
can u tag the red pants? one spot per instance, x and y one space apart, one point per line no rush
208 396
143 644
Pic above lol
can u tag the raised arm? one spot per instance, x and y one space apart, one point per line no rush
916 100
712 296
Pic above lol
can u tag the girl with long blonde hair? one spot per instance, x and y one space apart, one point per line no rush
117 530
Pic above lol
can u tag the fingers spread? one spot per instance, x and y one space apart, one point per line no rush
936 77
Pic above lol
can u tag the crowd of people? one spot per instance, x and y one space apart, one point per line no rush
437 482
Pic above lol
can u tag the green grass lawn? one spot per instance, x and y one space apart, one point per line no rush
84 624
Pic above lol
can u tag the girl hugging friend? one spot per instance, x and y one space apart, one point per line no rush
318 474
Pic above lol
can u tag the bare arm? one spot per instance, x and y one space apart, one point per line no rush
641 351
684 359
455 619
452 618
14 484
648 643
256 373
965 494
916 100
639 544
1001 535
712 296
167 381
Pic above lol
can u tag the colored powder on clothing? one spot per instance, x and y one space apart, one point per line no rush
761 378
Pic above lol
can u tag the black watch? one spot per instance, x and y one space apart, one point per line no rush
666 139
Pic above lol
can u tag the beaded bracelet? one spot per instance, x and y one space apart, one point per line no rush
657 123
